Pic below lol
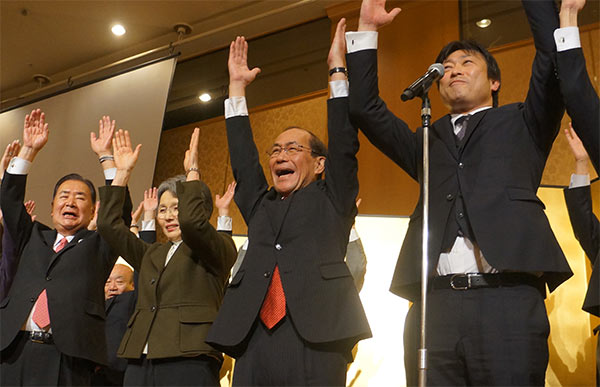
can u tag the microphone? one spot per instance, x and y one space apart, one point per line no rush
422 85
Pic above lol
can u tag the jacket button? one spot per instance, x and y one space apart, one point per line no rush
48 278
153 309
461 215
278 246
32 299
461 165
152 281
267 274
449 197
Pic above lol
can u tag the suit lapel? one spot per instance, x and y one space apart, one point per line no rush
471 127
108 303
77 238
160 256
277 210
445 132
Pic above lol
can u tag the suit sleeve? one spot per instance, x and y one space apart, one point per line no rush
543 106
127 204
148 236
387 132
17 221
215 249
584 222
8 265
581 100
113 229
341 166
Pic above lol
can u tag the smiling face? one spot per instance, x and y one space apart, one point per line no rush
72 207
290 172
465 85
167 216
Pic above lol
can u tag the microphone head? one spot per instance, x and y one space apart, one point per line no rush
437 67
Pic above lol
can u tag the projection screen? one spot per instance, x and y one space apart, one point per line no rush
135 99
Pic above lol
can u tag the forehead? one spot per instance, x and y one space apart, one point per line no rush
462 54
299 136
120 271
76 186
168 199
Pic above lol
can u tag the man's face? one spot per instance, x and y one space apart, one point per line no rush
291 172
167 216
465 85
72 207
120 281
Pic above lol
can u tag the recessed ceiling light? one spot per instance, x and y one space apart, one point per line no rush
118 30
483 23
205 97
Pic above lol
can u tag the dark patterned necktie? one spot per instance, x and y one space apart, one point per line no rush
461 124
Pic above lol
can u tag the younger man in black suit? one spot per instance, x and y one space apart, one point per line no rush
491 248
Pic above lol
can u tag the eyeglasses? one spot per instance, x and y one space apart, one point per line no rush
290 150
162 211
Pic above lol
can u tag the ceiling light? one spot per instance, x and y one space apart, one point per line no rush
118 30
483 23
205 97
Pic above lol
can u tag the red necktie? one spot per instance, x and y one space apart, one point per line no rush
41 316
273 307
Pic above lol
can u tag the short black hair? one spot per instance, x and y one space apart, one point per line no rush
77 177
471 46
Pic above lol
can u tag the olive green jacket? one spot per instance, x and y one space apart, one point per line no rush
177 303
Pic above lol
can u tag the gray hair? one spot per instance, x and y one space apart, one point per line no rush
171 185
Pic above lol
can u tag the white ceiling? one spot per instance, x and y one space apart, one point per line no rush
63 39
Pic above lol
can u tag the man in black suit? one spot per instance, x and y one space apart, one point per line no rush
586 227
292 314
53 317
491 248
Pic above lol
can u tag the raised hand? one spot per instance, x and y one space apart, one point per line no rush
579 152
222 202
569 9
190 162
150 203
374 16
125 155
137 214
11 151
240 75
30 207
101 144
337 51
35 134
93 225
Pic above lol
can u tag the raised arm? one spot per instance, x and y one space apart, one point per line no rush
216 250
582 102
543 106
16 219
387 132
110 222
247 171
579 200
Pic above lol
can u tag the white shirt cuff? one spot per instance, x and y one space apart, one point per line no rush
235 106
18 166
339 88
361 40
148 225
224 223
353 235
579 181
567 38
110 173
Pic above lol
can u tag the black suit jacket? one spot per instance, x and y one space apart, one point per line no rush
587 231
581 100
306 235
118 311
74 279
497 170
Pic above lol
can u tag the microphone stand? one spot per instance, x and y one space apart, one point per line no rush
422 353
